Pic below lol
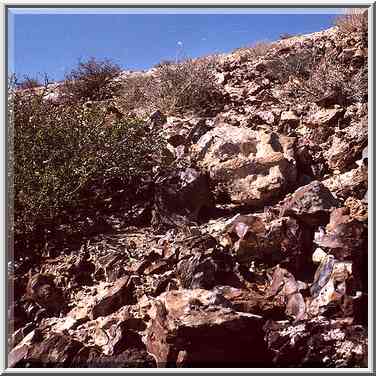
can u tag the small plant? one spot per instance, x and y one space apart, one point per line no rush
174 87
326 74
187 85
296 65
286 36
354 20
256 50
164 62
92 80
28 83
133 94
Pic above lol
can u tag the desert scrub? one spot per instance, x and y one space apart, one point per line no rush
188 85
354 20
258 49
65 161
92 80
133 94
325 74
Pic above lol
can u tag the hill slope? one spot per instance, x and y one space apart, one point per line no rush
249 247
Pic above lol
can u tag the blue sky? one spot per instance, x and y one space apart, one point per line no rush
52 41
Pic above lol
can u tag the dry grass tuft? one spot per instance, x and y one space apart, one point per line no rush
354 20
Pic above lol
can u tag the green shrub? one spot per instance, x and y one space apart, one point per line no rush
66 161
92 80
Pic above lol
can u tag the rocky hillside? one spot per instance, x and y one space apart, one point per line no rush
255 252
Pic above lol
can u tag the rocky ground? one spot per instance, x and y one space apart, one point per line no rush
256 255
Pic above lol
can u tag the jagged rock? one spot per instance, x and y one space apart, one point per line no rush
358 59
83 269
280 240
310 160
333 97
208 270
157 119
179 197
358 209
253 89
262 117
41 289
192 328
324 117
245 300
285 290
18 335
117 296
136 295
289 120
17 316
343 234
111 267
318 342
311 204
44 350
347 146
345 237
329 287
118 332
91 357
352 183
250 167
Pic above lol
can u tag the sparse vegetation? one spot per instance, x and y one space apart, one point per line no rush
321 75
184 86
286 36
28 83
164 62
92 80
354 20
298 65
256 50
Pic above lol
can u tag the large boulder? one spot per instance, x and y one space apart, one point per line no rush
194 328
120 294
180 194
250 167
311 204
270 242
44 350
347 146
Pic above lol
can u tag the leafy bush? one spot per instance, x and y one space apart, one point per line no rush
65 161
92 80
